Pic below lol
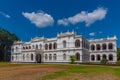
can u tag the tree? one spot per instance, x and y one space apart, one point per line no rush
72 59
6 40
118 54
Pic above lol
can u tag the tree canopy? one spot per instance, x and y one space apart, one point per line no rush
118 53
6 40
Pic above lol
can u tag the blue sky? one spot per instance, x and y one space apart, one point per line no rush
91 18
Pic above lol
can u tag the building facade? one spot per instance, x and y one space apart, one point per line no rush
60 48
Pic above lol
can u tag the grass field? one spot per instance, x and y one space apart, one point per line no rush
10 71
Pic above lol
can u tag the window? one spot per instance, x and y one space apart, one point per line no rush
77 43
16 48
104 56
92 47
64 44
46 46
29 47
31 57
36 46
98 46
50 46
50 56
92 57
23 48
12 58
54 56
55 45
104 46
23 57
110 46
77 56
46 57
64 56
110 57
98 57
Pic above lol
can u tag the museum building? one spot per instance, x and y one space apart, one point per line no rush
60 48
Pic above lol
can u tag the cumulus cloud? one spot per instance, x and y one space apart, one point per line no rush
40 19
4 14
84 16
92 34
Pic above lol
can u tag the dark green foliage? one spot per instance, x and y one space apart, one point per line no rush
104 61
118 62
118 53
72 59
6 40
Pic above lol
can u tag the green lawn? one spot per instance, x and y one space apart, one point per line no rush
10 71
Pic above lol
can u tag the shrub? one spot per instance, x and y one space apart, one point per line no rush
72 59
118 62
104 61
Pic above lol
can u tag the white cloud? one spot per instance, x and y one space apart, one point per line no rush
40 19
4 14
84 16
92 34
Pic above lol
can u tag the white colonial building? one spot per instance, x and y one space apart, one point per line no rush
60 48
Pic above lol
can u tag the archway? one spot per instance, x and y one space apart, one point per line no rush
92 57
38 58
104 56
110 57
77 56
77 43
98 57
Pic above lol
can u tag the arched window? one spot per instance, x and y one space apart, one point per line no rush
98 47
23 48
40 46
110 46
77 43
55 45
46 46
50 56
92 47
12 58
64 56
77 56
31 57
98 57
23 57
54 56
92 57
110 57
50 46
104 47
36 46
64 44
29 47
104 56
46 57
16 48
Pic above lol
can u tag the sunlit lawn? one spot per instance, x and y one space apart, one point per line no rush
10 71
